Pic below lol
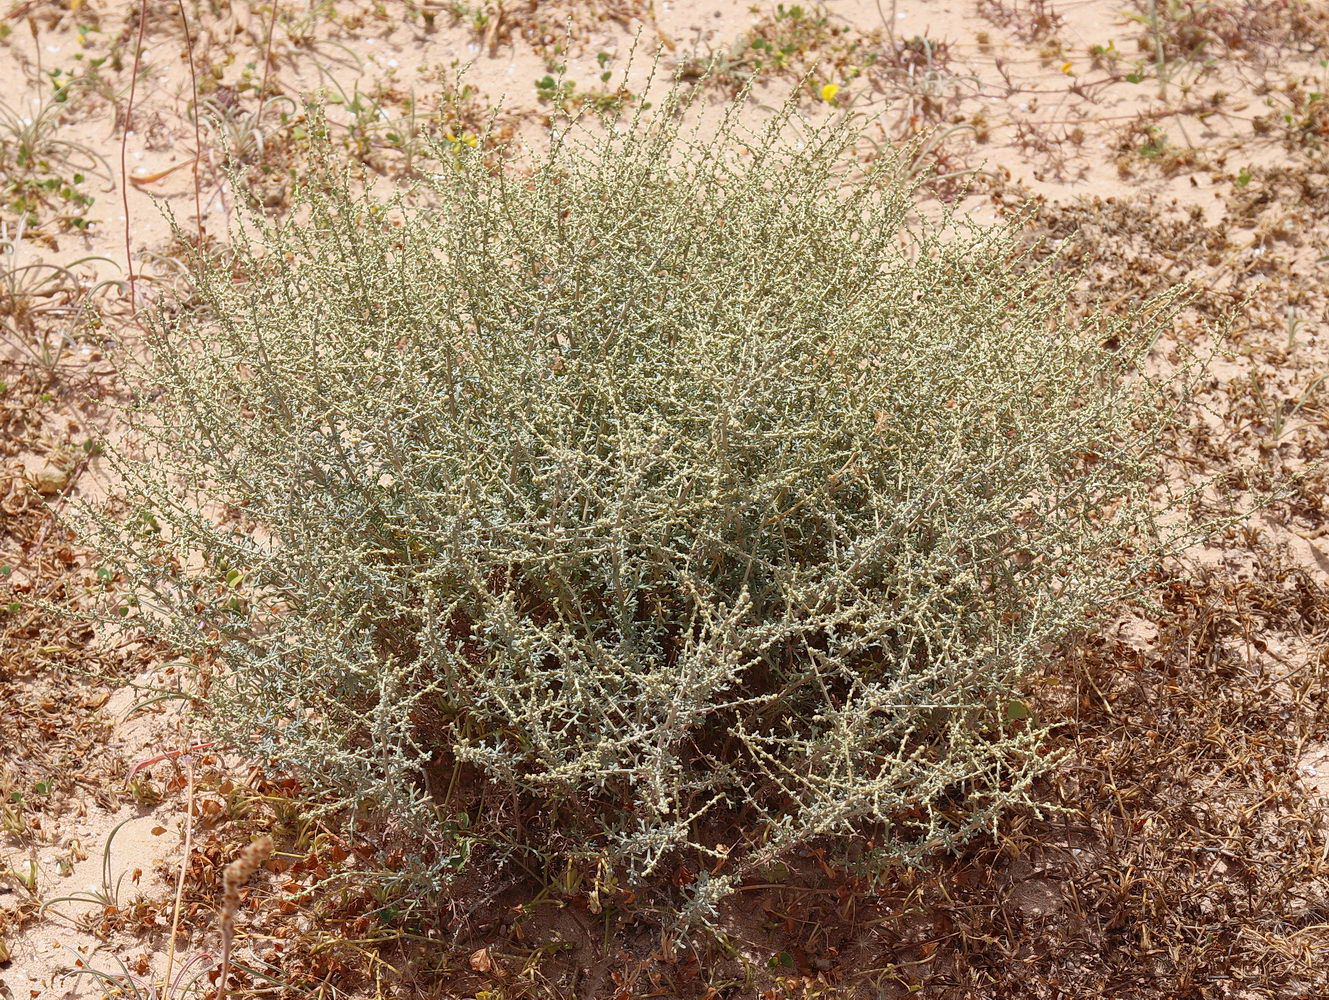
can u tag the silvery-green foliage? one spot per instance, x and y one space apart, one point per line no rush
678 485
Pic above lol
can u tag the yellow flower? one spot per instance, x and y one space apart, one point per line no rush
829 91
1066 68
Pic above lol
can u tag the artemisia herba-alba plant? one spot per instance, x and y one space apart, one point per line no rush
673 501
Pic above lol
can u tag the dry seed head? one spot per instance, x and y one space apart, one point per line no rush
238 871
237 874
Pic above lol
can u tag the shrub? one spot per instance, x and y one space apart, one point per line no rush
674 499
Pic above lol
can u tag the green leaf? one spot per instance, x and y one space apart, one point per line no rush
1016 710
